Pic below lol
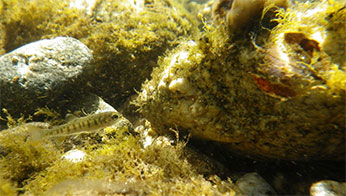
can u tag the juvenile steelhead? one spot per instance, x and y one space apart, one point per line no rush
83 124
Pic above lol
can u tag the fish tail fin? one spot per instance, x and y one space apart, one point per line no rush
35 132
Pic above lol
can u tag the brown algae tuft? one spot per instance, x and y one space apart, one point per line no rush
116 163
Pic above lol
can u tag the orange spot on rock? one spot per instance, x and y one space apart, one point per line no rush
274 90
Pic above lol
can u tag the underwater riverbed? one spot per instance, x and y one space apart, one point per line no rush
172 97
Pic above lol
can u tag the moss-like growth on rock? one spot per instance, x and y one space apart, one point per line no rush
7 187
116 164
271 93
21 158
126 37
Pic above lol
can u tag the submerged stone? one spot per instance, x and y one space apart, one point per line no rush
252 184
328 187
276 94
39 73
126 37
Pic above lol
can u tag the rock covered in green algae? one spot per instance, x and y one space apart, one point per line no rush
39 73
261 100
126 37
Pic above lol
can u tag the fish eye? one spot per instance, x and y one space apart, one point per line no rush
114 116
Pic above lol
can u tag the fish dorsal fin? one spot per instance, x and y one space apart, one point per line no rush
70 117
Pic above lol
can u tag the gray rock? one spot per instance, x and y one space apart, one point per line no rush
252 184
328 188
42 73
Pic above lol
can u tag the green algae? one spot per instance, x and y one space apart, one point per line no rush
126 38
21 158
7 187
115 164
258 92
327 32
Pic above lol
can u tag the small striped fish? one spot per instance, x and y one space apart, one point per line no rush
80 125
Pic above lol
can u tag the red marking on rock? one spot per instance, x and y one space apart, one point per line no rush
274 90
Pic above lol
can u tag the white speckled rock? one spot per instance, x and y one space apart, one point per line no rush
252 184
328 188
37 74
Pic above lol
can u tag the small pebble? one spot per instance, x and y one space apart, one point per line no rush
252 184
328 188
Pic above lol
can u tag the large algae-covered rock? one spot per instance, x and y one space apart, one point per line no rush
277 94
126 36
